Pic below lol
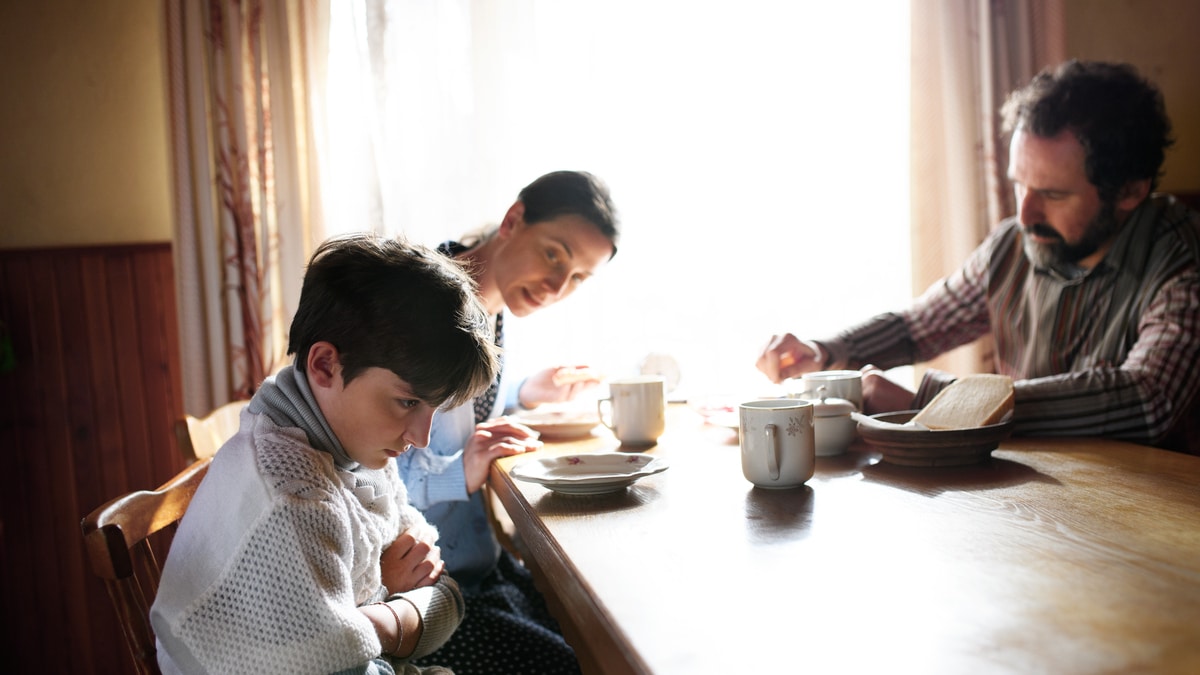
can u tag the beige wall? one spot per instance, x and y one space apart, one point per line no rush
86 160
84 123
1160 38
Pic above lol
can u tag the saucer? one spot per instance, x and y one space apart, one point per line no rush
729 420
560 424
588 474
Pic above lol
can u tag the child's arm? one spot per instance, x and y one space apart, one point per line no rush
415 623
410 562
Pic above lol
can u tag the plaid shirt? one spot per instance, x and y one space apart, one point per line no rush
1112 351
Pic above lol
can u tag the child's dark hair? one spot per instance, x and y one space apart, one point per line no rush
390 304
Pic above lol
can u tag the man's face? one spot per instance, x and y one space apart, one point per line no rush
1064 218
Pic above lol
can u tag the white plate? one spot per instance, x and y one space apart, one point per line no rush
560 423
729 420
589 474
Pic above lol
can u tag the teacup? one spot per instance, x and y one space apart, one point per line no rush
778 443
821 384
638 409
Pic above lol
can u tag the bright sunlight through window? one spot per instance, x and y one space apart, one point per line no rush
757 152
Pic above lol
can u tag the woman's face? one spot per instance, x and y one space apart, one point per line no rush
543 263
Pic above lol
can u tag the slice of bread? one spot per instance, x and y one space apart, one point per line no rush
571 375
971 401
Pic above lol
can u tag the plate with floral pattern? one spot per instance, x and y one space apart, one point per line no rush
589 474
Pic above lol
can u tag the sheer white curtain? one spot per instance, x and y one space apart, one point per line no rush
967 56
247 207
757 152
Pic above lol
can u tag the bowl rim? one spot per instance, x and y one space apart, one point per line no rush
887 425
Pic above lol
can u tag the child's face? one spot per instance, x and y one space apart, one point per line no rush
376 417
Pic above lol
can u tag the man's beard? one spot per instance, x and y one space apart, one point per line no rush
1097 233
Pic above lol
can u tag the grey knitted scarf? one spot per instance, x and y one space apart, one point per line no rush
286 398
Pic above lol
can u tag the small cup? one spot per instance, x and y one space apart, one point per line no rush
845 384
778 444
638 409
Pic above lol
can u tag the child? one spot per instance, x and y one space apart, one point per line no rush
299 552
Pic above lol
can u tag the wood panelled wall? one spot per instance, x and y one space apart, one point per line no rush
86 414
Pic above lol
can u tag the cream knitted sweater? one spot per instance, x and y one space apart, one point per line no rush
276 552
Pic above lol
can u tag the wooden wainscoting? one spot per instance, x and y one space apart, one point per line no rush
86 414
1192 199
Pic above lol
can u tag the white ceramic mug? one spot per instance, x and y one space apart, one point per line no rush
778 445
638 409
845 384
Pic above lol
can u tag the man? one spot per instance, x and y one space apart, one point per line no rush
1091 293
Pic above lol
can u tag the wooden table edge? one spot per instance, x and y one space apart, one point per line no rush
600 645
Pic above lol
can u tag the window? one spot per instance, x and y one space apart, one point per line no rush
757 152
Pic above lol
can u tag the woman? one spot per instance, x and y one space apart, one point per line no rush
558 233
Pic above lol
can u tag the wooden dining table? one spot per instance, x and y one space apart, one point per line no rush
1072 555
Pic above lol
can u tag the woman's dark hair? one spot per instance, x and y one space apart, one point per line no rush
576 193
390 304
1118 116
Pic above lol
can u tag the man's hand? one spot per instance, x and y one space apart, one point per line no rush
500 437
410 563
788 356
881 395
557 384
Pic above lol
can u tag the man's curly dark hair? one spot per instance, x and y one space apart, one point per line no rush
1118 116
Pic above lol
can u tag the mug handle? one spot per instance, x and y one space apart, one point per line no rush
812 394
600 411
772 451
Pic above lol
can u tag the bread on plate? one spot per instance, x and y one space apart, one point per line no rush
971 401
571 375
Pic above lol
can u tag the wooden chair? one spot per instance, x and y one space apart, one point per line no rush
126 542
201 437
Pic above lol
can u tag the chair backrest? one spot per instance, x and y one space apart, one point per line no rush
201 437
127 541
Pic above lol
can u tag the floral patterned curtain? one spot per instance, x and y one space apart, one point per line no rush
967 55
242 74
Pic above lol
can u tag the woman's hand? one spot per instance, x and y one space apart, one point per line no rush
788 356
410 563
500 437
557 384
